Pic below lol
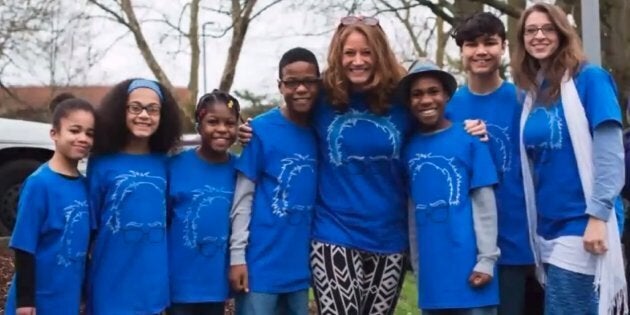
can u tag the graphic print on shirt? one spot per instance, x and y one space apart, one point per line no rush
437 195
552 115
74 215
344 123
295 172
500 138
132 188
199 218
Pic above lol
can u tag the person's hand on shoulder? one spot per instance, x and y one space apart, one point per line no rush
239 278
245 132
476 127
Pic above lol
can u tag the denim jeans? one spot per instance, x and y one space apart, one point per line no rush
255 303
569 293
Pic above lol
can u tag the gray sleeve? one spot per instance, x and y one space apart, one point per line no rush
240 217
413 241
486 230
608 166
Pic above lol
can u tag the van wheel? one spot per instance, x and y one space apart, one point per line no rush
12 175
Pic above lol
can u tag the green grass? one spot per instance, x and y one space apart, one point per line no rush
408 301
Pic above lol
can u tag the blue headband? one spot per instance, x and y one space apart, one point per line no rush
148 84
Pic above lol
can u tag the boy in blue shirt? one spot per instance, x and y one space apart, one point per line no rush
486 96
274 197
454 219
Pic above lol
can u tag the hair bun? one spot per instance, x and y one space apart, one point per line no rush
58 99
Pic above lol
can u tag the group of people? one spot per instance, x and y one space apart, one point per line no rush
363 165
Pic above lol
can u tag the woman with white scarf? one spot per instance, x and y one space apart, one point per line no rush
572 158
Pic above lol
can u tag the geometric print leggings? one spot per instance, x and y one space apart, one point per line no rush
352 282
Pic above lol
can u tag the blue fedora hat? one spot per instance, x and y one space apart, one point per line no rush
425 67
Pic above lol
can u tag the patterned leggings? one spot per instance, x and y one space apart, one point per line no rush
352 282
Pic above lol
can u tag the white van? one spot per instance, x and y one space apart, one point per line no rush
24 145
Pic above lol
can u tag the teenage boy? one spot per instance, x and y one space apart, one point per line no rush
453 210
481 39
274 198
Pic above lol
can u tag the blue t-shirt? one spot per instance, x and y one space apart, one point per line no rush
200 198
281 160
128 271
53 224
442 169
361 202
501 111
559 195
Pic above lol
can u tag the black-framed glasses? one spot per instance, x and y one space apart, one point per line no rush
308 83
367 20
547 29
137 109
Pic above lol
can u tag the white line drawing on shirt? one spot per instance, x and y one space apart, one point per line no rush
555 124
500 138
291 168
446 168
349 120
74 215
127 184
203 200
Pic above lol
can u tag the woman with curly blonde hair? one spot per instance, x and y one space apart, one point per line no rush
571 144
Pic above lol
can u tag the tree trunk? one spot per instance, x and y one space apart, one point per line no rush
241 17
193 80
145 50
512 26
615 17
442 38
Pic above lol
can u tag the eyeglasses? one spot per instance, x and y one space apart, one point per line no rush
137 109
152 233
295 83
299 215
211 245
367 20
432 213
547 29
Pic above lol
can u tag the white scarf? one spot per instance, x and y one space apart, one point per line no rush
610 281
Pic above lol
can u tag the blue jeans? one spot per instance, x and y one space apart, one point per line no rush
569 293
255 303
488 310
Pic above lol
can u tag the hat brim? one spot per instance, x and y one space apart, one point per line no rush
448 81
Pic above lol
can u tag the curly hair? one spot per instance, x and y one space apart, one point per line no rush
112 134
569 55
387 70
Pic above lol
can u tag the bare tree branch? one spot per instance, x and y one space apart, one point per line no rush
438 10
117 17
505 8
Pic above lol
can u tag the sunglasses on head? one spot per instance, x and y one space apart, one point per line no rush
367 20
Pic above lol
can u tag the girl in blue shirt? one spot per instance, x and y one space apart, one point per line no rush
52 231
139 123
571 133
201 188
